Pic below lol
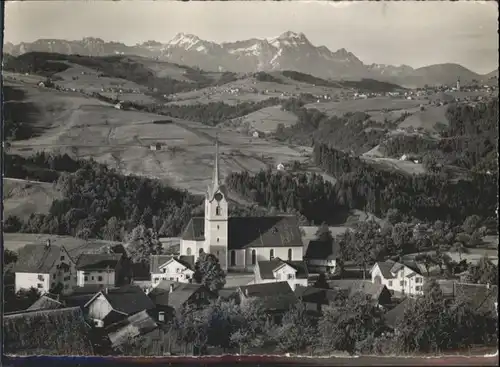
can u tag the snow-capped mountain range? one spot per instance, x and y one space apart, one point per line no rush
289 51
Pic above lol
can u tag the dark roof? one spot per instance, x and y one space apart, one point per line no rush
97 261
266 268
276 296
243 232
385 268
47 332
393 316
359 286
227 293
158 260
45 303
319 295
322 250
128 299
278 231
37 258
195 230
133 326
161 295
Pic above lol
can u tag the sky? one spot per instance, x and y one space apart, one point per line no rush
411 33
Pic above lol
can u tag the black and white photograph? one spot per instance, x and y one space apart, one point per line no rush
311 182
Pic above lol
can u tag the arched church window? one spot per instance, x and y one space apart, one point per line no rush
254 257
233 258
218 210
200 251
289 254
271 254
188 251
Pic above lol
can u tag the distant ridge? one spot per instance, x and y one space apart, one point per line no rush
289 51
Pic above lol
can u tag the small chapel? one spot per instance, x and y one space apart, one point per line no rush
239 242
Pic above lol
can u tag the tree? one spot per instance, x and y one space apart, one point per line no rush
484 272
402 236
251 331
368 245
393 216
324 234
142 243
223 318
12 224
112 230
296 331
191 325
471 223
207 271
9 256
348 322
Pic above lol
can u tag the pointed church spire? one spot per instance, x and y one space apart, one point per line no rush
216 178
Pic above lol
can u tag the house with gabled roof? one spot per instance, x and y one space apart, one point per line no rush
60 331
239 242
43 267
403 278
378 293
276 297
174 268
46 302
169 297
130 328
115 304
321 256
277 270
97 269
316 299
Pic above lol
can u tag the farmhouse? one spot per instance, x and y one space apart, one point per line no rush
116 304
167 267
276 298
239 242
277 270
43 267
97 269
398 277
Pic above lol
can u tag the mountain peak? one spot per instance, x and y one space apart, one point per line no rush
292 35
184 38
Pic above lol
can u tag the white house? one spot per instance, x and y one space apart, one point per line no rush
277 270
321 256
175 268
97 269
43 267
398 277
239 242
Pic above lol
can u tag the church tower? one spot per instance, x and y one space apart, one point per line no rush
458 84
216 216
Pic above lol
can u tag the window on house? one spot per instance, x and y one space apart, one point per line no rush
390 283
289 254
53 276
218 210
164 270
200 251
155 280
62 258
217 239
161 316
39 285
418 288
271 254
86 278
290 276
178 270
217 226
188 251
40 277
99 278
187 276
254 257
92 278
418 280
401 283
233 258
172 278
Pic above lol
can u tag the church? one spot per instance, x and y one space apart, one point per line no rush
239 242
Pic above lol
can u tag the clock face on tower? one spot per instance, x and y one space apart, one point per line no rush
218 196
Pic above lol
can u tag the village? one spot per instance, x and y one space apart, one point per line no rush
108 305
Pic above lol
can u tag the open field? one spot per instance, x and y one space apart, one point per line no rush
250 89
23 198
265 120
426 119
403 166
75 246
365 105
84 127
